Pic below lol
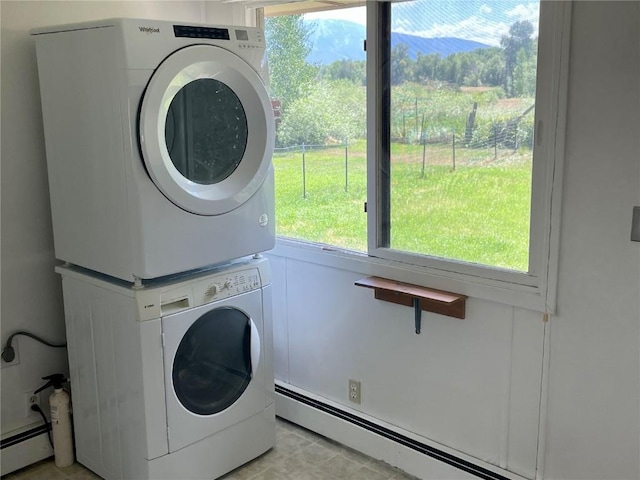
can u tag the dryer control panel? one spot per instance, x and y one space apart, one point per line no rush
244 36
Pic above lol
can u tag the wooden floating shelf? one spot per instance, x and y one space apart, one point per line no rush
421 298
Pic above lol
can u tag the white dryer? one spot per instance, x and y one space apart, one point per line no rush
173 380
159 138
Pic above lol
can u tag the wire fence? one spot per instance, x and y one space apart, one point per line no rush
304 149
447 149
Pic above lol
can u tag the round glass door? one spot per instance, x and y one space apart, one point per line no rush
212 365
206 130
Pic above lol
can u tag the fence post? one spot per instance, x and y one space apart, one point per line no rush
424 152
495 141
415 111
404 129
453 143
304 179
346 164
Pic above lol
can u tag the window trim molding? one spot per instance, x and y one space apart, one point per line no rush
515 295
559 40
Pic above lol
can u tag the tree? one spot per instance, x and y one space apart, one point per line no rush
331 111
524 75
288 44
352 70
427 67
401 64
519 38
493 66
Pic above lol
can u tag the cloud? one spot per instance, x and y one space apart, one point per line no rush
354 14
472 28
487 26
525 11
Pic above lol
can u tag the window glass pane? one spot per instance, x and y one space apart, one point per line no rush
206 131
318 90
463 78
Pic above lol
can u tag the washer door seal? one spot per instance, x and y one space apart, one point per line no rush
213 109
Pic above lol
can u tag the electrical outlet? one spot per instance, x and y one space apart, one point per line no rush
354 391
635 225
31 399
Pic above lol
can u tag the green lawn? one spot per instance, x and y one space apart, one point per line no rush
478 212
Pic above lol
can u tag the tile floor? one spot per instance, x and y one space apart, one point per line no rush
299 454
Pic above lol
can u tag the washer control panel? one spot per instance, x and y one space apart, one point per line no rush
226 286
169 299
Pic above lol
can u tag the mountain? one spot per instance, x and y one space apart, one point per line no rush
343 40
336 40
445 46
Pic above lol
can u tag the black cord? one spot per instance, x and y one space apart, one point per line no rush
36 408
8 353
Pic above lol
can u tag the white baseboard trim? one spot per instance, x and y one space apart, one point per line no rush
414 454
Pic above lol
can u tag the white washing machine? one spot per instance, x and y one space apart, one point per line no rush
159 139
173 380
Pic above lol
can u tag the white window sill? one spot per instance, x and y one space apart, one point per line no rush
523 296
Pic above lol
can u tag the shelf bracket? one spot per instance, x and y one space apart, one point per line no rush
418 314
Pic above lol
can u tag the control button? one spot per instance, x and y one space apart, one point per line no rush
213 289
227 283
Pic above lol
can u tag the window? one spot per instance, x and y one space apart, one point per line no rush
464 138
318 88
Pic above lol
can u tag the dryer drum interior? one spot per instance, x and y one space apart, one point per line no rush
212 366
206 131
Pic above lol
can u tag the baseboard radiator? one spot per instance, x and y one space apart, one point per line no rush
388 434
23 436
24 448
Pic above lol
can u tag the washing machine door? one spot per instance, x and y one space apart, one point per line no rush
206 129
212 366
214 372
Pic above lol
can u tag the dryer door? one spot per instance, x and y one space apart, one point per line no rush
206 129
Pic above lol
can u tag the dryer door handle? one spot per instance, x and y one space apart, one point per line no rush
255 347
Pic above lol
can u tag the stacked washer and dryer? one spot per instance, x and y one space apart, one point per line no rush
159 139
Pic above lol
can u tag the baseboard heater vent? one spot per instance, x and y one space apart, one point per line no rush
23 436
391 435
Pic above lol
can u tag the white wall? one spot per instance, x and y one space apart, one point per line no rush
474 384
594 396
31 292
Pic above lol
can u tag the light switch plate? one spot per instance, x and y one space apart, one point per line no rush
635 225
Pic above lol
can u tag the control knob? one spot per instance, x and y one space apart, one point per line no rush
213 289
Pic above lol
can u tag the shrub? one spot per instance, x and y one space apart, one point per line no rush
331 112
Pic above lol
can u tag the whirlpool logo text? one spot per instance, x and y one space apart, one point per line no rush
149 30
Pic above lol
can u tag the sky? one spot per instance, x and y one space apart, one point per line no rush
484 21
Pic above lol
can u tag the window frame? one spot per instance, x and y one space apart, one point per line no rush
535 289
